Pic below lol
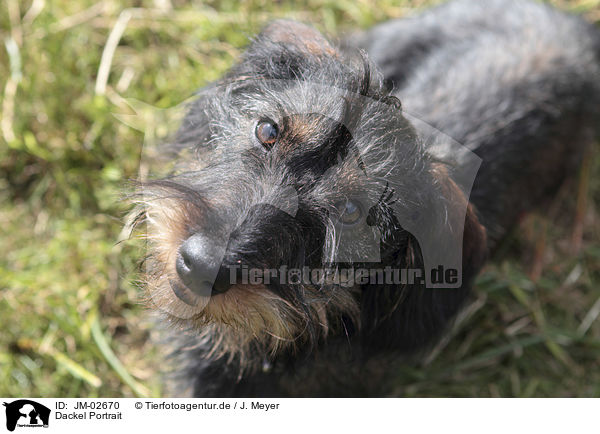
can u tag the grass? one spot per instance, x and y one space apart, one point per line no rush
71 320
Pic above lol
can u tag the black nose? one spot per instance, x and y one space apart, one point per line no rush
199 267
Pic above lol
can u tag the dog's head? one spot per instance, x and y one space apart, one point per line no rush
294 172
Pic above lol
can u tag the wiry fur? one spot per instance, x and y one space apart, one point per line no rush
520 87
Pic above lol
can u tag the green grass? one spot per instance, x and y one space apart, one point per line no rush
71 320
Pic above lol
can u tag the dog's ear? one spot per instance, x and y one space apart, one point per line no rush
410 316
284 50
474 236
298 37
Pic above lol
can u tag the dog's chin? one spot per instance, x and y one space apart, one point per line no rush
254 312
250 319
245 320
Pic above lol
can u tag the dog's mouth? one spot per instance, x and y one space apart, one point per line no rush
241 306
188 306
183 293
202 293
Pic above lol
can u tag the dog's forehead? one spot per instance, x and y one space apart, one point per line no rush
306 97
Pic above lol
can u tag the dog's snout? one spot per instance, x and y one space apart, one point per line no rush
198 265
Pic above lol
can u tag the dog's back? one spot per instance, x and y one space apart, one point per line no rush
515 81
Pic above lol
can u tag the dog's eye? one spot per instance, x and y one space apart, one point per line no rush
267 133
350 212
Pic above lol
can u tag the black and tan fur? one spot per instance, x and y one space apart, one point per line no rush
516 82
